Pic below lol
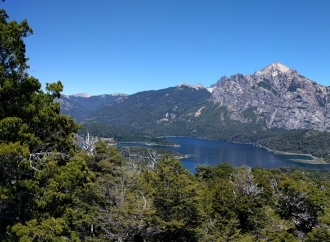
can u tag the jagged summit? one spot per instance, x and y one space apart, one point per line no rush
276 96
274 69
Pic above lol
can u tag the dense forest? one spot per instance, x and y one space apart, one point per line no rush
145 154
53 190
120 135
312 142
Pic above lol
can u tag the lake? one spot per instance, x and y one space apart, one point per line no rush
215 152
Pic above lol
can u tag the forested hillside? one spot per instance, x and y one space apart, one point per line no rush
152 111
312 142
120 135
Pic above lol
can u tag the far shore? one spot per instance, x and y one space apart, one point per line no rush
314 160
146 143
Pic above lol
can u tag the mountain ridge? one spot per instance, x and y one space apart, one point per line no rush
274 97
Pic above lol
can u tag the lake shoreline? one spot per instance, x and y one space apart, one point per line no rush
202 151
148 144
314 160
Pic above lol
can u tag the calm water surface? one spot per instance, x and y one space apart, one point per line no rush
215 152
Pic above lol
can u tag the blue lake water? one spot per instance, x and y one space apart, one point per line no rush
215 152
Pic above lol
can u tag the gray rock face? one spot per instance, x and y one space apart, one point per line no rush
276 96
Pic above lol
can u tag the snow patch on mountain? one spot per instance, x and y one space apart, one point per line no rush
210 89
119 94
197 86
274 69
86 95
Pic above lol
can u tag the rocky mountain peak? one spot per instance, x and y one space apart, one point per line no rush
222 79
276 96
274 69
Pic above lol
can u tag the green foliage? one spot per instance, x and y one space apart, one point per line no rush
145 155
260 203
176 198
223 202
318 235
301 201
250 114
208 173
311 142
106 158
41 178
282 236
122 206
48 198
27 114
48 230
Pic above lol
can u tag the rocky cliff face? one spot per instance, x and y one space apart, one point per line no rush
276 96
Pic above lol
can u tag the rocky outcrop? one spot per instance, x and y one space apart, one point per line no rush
276 96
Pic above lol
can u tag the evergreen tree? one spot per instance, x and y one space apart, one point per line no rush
40 178
177 199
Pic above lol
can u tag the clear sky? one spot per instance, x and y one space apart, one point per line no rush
107 46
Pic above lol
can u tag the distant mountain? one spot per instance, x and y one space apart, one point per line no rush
147 111
81 105
276 96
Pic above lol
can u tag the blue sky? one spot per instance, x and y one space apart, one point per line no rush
106 46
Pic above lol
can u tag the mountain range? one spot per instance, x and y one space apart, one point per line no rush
274 97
